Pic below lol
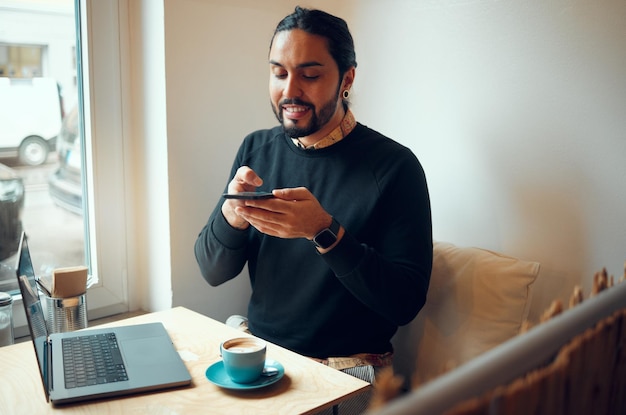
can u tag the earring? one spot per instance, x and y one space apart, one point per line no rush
346 94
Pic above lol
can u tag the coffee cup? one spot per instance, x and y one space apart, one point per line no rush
244 358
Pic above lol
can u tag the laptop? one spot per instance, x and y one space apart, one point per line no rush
129 359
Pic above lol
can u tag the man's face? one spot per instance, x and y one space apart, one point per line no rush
304 84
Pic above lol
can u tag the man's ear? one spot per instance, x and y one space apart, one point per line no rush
348 78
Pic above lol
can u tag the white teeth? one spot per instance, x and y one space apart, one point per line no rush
295 109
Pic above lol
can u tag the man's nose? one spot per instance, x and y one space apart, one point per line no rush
292 87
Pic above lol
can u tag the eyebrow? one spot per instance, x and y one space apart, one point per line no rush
299 66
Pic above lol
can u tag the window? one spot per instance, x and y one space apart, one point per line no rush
17 61
84 222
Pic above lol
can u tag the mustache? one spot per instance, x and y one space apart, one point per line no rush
295 101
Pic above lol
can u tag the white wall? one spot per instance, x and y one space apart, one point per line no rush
150 231
515 109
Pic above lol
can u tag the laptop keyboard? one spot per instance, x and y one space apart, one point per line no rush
92 360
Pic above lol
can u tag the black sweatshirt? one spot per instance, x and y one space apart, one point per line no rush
351 299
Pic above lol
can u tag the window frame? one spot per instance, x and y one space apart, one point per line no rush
105 90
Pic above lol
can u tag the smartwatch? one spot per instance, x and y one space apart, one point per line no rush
327 237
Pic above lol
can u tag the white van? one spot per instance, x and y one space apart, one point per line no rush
31 112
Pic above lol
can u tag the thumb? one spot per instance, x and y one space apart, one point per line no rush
292 193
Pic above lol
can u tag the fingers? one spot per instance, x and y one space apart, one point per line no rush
292 213
245 179
294 193
283 200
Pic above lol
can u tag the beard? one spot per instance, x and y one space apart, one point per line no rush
318 119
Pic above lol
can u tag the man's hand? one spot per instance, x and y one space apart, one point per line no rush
245 180
292 213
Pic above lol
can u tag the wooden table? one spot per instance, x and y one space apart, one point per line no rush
306 388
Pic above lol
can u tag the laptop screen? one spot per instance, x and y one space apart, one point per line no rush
25 264
32 307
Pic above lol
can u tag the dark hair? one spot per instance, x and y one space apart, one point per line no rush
334 29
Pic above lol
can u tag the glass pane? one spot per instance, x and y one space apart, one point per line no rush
40 145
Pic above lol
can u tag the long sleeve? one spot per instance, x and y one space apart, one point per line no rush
391 274
220 249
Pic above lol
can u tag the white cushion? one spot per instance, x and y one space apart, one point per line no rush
477 299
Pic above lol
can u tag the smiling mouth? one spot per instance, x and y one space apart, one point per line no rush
294 111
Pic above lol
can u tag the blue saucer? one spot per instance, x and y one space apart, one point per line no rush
216 374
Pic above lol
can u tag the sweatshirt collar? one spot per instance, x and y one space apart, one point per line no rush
344 128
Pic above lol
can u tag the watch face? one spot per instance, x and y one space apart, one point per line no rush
325 238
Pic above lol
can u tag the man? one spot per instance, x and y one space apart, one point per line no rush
341 255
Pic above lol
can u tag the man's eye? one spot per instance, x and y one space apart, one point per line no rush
280 75
310 77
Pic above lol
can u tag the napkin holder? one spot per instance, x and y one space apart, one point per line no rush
66 300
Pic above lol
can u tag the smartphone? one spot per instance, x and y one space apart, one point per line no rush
248 195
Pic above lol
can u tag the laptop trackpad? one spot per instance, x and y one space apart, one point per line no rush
147 352
150 359
153 361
